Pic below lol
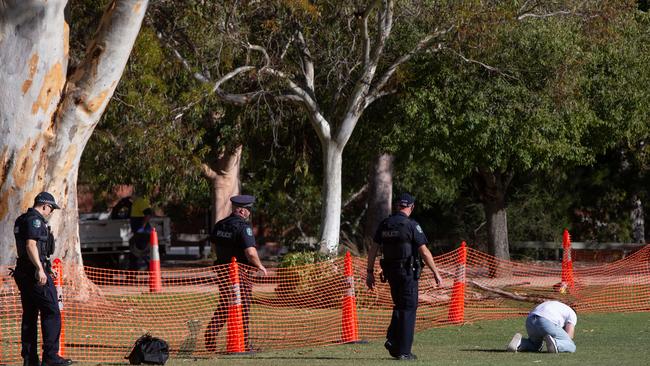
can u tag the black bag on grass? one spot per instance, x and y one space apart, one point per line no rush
149 350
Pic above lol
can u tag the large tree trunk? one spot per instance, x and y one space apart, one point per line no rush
47 116
331 198
492 188
638 221
224 180
380 181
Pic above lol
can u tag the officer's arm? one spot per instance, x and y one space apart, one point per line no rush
254 259
428 259
372 254
32 253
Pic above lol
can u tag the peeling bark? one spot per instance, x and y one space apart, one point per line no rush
47 117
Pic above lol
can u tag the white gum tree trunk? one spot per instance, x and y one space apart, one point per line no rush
366 87
47 115
331 197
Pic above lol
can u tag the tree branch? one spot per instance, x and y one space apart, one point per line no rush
363 17
484 65
237 99
547 15
307 63
374 93
355 195
197 75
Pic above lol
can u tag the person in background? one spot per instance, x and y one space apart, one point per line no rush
233 237
404 245
139 219
34 278
552 322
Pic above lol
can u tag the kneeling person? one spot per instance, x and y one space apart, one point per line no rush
553 323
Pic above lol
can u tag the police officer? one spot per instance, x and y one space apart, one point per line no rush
404 246
233 237
33 275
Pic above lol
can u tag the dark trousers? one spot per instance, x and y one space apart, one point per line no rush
39 299
404 292
220 316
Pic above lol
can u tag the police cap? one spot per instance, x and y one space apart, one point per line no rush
46 198
405 200
244 200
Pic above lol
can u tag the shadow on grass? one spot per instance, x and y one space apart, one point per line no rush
294 358
494 350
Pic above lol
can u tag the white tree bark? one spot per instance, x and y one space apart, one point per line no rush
333 131
331 195
48 115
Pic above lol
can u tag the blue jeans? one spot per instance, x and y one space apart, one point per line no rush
538 327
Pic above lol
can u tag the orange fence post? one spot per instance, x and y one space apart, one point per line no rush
457 304
155 279
235 336
58 283
349 320
567 262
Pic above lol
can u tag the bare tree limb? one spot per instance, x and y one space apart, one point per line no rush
197 75
547 15
510 295
364 30
484 65
306 63
237 99
374 96
422 44
355 195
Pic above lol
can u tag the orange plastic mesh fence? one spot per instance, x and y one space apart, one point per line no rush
304 306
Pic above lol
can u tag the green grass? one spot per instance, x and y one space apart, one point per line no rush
601 339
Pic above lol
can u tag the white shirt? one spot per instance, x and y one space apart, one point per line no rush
557 312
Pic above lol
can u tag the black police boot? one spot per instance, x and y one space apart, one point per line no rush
409 357
60 361
389 347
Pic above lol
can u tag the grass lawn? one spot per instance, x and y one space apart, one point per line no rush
601 339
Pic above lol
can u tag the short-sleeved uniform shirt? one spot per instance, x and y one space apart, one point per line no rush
232 236
399 236
30 225
558 313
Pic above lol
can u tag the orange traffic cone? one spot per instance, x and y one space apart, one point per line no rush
155 279
567 262
457 304
57 266
349 320
235 336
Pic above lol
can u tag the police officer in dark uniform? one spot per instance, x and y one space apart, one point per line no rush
233 237
404 248
33 275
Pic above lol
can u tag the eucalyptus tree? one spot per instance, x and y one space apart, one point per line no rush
529 97
49 108
333 59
